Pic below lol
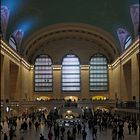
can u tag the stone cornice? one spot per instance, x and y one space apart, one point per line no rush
134 48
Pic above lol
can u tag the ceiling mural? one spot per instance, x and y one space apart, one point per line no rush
30 16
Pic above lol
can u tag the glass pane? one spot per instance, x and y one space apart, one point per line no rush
43 73
70 73
12 43
98 73
71 88
128 42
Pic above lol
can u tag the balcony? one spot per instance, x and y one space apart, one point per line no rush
128 105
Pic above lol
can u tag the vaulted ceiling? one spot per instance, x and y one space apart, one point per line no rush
34 15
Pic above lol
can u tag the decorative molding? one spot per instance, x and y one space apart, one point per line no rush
132 49
56 67
76 31
5 49
84 67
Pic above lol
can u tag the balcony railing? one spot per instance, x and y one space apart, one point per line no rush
59 102
128 104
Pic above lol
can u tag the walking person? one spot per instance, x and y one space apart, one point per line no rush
114 133
50 135
5 137
74 131
120 134
135 128
79 127
84 134
41 137
1 128
68 135
62 130
129 128
11 134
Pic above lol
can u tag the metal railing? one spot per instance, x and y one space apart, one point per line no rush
128 104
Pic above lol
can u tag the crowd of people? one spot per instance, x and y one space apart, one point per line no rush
100 121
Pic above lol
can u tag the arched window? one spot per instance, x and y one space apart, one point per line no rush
98 73
43 73
16 38
124 38
12 43
70 73
128 41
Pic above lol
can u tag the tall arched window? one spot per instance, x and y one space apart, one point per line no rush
43 73
12 43
124 38
70 73
16 38
98 73
128 41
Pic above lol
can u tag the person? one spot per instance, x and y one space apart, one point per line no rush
114 133
3 122
5 137
56 131
30 124
36 125
11 133
50 135
22 138
74 132
120 134
68 135
129 128
62 137
41 137
79 127
135 128
84 134
94 132
15 124
1 128
62 130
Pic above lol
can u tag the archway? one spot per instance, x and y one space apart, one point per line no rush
99 98
69 114
43 98
72 98
102 108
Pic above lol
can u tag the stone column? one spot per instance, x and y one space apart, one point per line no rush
6 73
85 82
135 77
110 84
57 82
6 86
18 89
31 84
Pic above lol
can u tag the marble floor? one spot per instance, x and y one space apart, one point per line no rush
33 135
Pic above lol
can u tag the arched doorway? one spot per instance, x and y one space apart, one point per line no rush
43 98
72 98
99 98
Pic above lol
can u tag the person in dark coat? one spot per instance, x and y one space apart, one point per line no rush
84 134
5 137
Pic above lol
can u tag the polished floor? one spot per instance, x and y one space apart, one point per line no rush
33 135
